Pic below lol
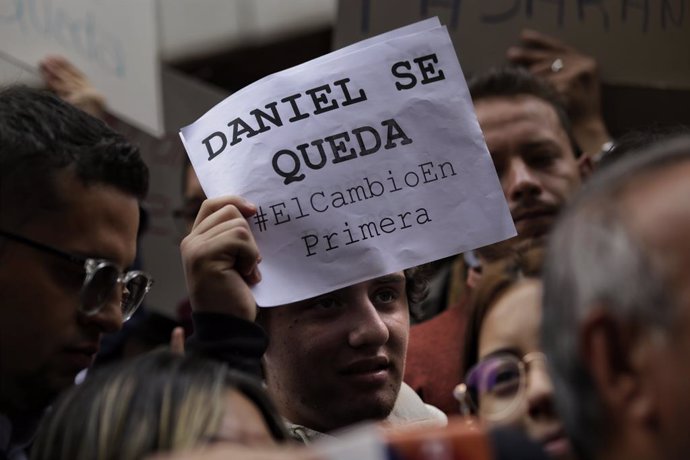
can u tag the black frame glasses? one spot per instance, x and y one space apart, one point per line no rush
100 279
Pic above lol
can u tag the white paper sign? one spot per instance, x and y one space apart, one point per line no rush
361 164
114 42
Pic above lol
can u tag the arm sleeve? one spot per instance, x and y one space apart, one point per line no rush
237 342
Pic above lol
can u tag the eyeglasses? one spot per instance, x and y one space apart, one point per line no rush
496 386
101 280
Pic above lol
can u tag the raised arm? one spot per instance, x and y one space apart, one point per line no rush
220 260
575 76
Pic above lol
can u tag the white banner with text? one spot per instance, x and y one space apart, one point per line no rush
362 163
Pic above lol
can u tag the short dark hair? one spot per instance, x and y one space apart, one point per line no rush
41 135
510 81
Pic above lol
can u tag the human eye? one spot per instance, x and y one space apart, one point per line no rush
72 277
324 303
506 382
543 157
502 376
385 296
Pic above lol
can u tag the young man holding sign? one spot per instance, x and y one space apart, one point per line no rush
331 361
352 183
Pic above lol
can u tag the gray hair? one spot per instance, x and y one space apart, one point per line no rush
595 260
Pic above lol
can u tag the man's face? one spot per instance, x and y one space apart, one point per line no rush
339 358
44 339
533 158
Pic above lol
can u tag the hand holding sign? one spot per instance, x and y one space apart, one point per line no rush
220 259
361 163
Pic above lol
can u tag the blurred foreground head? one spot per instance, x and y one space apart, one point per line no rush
616 325
160 402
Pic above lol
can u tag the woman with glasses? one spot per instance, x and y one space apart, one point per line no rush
506 381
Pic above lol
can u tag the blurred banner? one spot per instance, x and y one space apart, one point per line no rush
462 439
636 42
114 42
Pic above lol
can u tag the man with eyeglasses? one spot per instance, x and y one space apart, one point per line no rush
69 194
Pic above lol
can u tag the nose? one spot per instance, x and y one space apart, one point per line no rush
368 327
539 392
521 183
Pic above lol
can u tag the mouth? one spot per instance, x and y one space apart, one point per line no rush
556 444
368 371
534 221
531 214
81 356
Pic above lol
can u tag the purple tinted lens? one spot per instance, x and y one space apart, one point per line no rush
495 375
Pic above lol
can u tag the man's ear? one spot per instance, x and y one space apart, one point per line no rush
618 359
585 166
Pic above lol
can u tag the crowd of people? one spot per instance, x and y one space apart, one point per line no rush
569 341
